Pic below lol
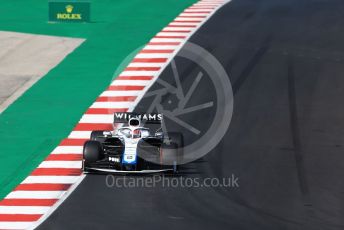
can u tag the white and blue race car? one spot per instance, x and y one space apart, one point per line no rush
133 148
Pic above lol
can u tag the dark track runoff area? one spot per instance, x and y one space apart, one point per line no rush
285 143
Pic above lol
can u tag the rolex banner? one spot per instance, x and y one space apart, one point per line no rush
69 11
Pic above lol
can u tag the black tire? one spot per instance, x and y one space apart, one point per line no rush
92 152
98 135
169 155
177 139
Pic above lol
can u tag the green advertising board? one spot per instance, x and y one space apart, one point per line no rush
69 11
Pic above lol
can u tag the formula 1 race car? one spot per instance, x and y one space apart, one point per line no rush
132 147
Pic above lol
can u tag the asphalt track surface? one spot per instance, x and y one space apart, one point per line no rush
285 141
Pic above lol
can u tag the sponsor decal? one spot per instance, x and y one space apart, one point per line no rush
69 11
145 117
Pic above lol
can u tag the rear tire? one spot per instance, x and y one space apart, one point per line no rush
92 152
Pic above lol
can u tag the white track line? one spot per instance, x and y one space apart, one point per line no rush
167 40
146 64
138 73
23 209
173 34
110 105
145 55
188 14
159 47
113 93
79 134
67 149
132 82
96 118
60 164
51 179
171 28
35 194
15 225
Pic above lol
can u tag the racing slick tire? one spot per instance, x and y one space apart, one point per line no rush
92 152
98 135
169 155
172 150
178 140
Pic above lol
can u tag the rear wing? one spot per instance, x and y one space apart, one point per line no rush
148 118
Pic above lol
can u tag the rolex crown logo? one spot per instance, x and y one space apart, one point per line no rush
69 8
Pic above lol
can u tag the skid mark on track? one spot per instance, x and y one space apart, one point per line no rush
251 65
295 131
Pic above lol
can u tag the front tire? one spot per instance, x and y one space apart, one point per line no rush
176 140
169 154
92 152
